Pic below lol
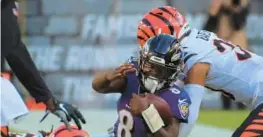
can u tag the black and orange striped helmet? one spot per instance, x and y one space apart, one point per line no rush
164 19
62 131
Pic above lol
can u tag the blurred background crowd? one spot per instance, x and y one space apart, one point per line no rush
70 40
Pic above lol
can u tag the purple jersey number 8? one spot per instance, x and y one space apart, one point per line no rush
126 123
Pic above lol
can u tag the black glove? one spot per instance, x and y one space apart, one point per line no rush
65 112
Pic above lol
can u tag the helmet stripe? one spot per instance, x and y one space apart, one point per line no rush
146 22
144 32
166 21
167 11
141 38
63 129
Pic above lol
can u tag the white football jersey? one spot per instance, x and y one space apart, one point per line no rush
233 71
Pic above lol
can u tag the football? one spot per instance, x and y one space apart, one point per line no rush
162 107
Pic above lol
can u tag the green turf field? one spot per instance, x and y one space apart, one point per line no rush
16 131
230 119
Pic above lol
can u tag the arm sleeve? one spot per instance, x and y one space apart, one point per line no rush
17 56
22 65
196 93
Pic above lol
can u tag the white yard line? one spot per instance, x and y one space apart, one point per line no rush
98 121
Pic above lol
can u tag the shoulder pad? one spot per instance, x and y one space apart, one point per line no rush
179 102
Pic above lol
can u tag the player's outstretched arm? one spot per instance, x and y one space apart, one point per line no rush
194 86
18 58
21 63
113 80
23 66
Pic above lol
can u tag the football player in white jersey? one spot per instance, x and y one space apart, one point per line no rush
213 63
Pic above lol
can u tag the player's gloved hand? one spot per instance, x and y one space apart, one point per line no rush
138 104
120 72
65 112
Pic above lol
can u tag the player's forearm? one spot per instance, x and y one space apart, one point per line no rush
23 66
196 93
185 129
170 131
100 83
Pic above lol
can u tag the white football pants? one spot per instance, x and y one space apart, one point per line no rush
12 105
